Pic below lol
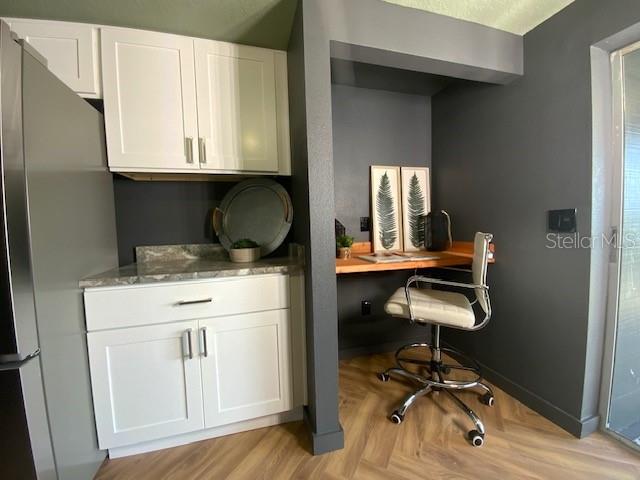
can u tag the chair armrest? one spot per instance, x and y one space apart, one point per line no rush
420 278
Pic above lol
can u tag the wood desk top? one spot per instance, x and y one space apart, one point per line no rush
460 253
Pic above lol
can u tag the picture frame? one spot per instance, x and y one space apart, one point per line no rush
416 203
386 209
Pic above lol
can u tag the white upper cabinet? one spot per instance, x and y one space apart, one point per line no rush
149 100
71 50
236 91
174 104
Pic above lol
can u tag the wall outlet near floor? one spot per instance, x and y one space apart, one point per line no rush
366 307
364 224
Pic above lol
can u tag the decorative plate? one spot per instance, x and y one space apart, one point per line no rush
259 209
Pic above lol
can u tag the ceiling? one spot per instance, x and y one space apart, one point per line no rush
264 23
515 16
378 77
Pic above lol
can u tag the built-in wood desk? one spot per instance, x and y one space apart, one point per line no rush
460 253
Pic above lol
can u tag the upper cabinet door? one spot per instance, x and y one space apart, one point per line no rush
71 50
236 107
149 100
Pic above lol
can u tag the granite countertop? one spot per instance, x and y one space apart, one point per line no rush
186 262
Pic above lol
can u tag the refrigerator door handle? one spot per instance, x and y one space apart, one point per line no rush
15 365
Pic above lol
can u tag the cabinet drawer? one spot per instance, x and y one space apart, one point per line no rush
130 306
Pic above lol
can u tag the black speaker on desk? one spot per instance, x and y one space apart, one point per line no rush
437 234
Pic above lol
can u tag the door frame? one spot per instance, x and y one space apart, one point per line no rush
615 214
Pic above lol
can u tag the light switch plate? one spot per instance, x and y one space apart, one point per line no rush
562 221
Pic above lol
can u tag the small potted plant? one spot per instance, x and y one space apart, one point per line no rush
244 250
343 246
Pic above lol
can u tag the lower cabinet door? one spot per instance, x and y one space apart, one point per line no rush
146 382
246 371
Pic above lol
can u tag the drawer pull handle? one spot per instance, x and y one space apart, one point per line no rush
193 302
205 348
189 344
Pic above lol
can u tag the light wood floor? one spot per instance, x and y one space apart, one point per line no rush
429 444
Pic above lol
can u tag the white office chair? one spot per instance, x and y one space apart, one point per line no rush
440 308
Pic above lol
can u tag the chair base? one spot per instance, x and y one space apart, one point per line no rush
434 380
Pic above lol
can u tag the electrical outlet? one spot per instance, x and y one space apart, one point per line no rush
364 224
366 307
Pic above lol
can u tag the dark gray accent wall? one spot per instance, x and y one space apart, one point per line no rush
372 127
502 156
164 213
395 37
321 413
170 213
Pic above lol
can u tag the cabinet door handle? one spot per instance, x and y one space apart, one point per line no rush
188 146
205 347
189 344
202 150
182 303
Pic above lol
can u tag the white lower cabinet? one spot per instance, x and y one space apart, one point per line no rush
208 373
145 385
245 366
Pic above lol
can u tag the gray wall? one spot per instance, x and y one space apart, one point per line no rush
502 156
372 127
395 37
164 213
170 213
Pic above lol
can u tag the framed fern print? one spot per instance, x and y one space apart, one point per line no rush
386 209
416 202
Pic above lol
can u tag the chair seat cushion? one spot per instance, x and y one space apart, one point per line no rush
433 306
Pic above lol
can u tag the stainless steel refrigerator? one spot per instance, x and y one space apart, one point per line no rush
57 225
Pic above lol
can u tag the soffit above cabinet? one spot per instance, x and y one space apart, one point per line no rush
515 16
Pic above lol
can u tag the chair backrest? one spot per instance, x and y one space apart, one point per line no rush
479 268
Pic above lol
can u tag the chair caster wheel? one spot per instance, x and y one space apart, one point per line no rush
383 377
476 438
487 399
396 418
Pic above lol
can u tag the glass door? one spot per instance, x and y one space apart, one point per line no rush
623 412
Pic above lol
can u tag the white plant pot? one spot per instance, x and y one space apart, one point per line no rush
244 255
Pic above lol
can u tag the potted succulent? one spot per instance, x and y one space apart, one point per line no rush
244 250
343 246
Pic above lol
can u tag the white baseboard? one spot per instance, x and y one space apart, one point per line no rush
268 421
